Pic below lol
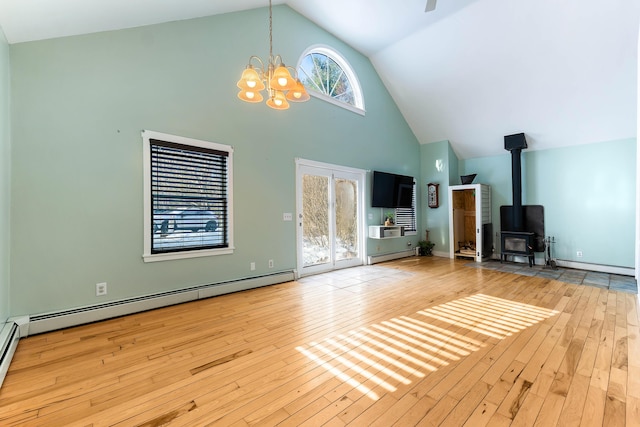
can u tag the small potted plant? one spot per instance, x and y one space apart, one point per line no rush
426 247
389 216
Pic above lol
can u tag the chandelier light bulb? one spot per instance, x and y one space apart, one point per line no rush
250 96
298 93
278 101
281 79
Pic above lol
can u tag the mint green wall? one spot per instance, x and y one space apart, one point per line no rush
439 165
588 193
454 176
5 177
79 104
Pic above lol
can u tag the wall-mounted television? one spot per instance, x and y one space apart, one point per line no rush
390 190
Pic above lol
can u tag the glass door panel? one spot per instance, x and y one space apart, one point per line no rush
346 209
316 244
330 218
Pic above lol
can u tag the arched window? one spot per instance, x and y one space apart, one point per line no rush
327 75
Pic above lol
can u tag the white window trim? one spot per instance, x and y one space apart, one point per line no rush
348 70
333 101
147 136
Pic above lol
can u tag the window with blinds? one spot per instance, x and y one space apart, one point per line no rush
188 194
407 216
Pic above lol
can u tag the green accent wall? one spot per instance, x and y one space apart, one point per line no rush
588 193
5 177
79 104
439 165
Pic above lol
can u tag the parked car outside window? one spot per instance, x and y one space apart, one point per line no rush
189 219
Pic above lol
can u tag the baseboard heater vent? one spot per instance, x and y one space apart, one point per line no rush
374 259
73 317
9 337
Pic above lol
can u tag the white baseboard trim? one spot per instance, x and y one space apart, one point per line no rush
374 259
441 254
64 319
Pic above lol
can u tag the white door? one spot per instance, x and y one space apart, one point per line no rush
329 217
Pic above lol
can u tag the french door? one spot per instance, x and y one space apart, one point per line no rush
330 217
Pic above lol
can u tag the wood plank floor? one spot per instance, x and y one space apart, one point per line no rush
420 341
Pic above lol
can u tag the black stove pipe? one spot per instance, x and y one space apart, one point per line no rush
515 143
516 178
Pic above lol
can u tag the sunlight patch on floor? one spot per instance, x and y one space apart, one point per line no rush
491 316
391 353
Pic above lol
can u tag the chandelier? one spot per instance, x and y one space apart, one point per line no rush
281 86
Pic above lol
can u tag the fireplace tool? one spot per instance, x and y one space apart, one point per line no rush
548 261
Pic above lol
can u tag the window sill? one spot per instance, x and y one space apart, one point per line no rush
185 255
340 104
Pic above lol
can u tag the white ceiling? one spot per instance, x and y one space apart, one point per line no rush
472 71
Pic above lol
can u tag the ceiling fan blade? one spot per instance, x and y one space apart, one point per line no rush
431 5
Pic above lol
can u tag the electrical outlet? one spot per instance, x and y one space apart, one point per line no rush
253 266
579 254
101 289
270 263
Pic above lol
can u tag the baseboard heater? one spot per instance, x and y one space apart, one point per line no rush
374 259
73 317
600 268
9 337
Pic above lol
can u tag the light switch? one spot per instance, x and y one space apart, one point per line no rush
287 216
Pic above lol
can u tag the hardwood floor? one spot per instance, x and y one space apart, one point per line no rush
420 341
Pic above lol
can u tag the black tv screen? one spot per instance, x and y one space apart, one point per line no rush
391 190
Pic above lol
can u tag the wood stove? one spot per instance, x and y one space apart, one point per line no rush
522 227
517 243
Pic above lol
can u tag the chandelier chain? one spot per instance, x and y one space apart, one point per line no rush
270 32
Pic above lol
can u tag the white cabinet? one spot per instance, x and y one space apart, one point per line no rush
470 228
385 232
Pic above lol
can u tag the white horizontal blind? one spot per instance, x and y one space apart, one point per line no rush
189 197
407 216
486 204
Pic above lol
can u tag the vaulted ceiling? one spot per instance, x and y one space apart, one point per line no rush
564 72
